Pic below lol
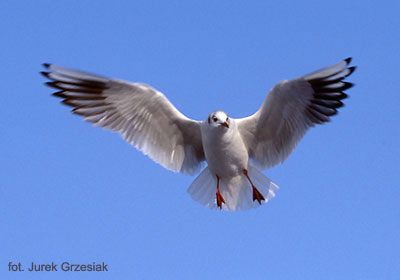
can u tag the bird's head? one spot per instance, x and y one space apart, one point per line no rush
218 119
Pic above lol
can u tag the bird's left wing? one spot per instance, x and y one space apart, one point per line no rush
290 109
142 115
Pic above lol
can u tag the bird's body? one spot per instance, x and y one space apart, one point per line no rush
223 143
232 148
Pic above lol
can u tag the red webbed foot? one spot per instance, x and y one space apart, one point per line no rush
257 195
220 199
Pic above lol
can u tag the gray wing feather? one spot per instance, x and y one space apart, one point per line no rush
290 109
142 115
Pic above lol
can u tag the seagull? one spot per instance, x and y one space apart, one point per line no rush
235 150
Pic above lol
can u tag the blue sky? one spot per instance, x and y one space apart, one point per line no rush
72 192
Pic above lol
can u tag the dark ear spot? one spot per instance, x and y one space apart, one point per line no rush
208 119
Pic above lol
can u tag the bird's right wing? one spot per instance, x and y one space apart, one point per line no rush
290 109
142 115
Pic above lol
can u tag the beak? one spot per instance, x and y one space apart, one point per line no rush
225 124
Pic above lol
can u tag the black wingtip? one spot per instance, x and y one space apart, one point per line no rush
348 60
46 65
53 85
347 85
352 69
46 74
60 94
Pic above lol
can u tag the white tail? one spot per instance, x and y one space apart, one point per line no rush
236 191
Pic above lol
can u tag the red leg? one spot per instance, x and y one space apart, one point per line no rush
256 194
220 199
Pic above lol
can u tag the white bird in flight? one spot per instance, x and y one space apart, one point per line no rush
232 148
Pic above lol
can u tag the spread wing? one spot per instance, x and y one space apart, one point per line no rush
290 109
142 115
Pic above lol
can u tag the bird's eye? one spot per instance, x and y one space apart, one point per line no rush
215 119
227 118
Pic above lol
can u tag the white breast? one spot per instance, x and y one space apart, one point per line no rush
224 150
